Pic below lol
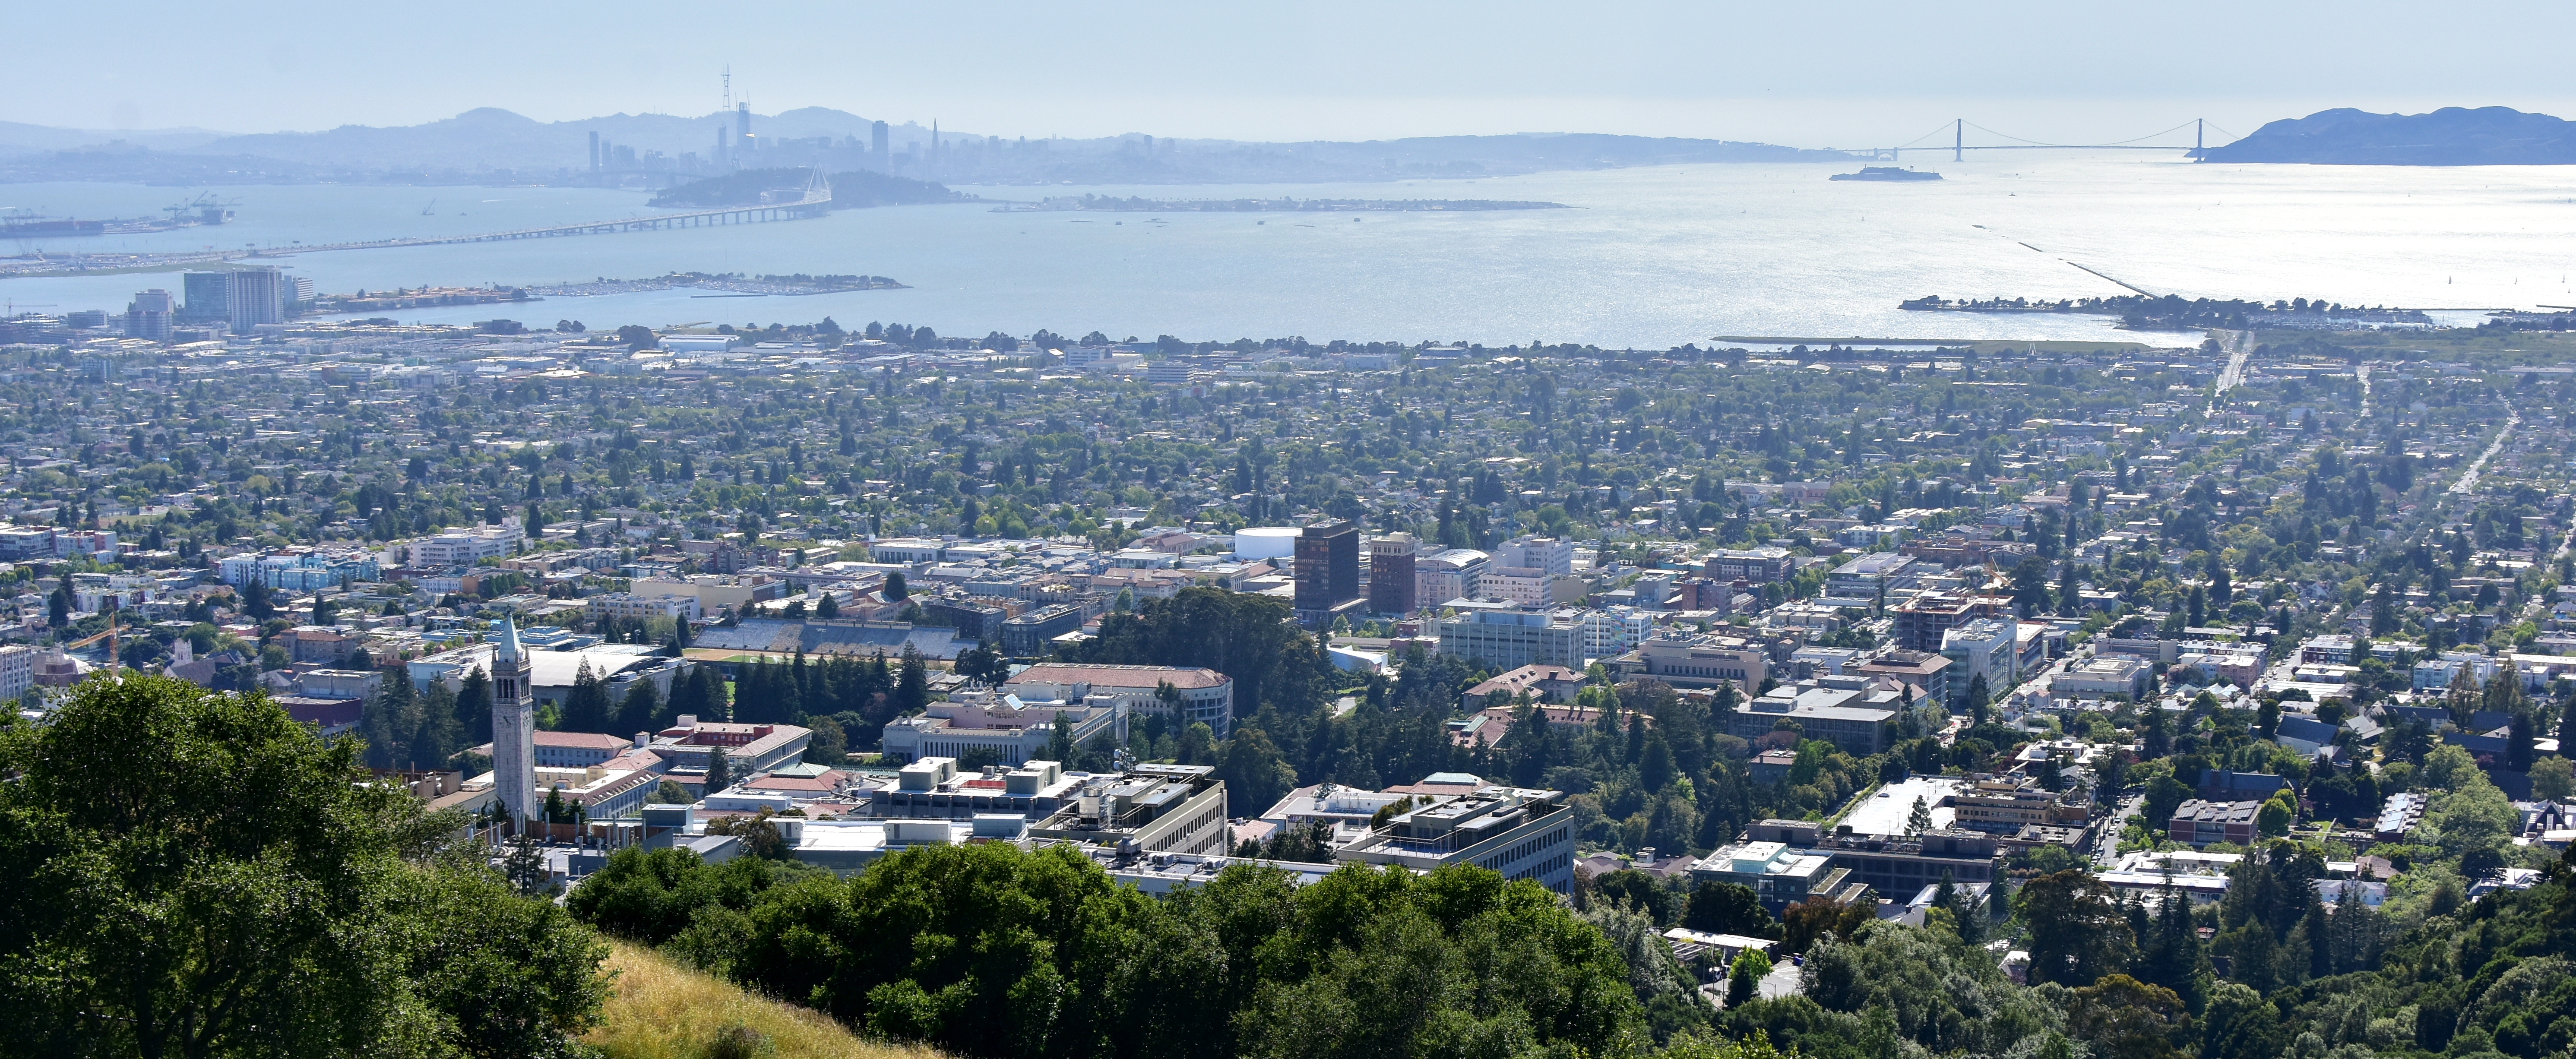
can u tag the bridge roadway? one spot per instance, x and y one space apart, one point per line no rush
817 201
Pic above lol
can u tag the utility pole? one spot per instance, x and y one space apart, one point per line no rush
1958 139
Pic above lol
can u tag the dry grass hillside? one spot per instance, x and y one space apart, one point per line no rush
662 1010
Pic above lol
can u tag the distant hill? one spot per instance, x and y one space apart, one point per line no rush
492 138
2449 136
491 145
18 138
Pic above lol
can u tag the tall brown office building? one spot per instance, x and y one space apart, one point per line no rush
1328 571
1391 584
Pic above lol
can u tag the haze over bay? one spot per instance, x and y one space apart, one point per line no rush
1653 256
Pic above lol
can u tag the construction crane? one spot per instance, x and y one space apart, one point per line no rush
109 636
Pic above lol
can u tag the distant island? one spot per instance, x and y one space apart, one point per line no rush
2449 136
1131 204
856 189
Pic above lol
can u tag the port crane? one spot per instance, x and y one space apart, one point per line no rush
207 207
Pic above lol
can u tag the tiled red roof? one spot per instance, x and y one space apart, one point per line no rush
786 783
585 740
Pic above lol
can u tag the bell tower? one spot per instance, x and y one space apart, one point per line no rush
514 727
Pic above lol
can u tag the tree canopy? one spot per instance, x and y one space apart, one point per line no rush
194 873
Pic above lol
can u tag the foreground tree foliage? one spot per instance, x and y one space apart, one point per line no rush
988 950
994 951
192 873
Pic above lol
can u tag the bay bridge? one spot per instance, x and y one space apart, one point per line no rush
1959 145
814 200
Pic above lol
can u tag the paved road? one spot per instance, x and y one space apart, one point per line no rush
2243 341
2106 850
2469 480
1782 981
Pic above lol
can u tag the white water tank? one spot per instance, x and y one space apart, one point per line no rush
1266 542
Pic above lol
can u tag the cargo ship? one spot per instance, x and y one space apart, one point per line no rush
1886 172
201 211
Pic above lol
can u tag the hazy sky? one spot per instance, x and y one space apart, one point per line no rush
1844 74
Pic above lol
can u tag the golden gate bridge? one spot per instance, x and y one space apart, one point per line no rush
1959 145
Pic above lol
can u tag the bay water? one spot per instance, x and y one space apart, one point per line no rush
1646 257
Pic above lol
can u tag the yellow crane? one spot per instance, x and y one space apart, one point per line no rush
109 636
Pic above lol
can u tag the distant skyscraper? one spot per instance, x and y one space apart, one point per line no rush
1391 574
1328 569
594 152
258 296
210 297
148 315
514 727
742 127
880 147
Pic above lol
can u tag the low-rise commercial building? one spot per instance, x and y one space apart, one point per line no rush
1205 696
1146 810
1610 630
1547 555
1522 833
714 592
1759 566
1927 673
630 607
932 787
1457 573
1002 728
2005 807
1544 683
748 748
1506 637
299 569
908 550
2198 822
1031 635
1864 577
2105 676
1779 874
1697 661
1923 622
1842 717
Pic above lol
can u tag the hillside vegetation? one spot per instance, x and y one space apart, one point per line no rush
660 1010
